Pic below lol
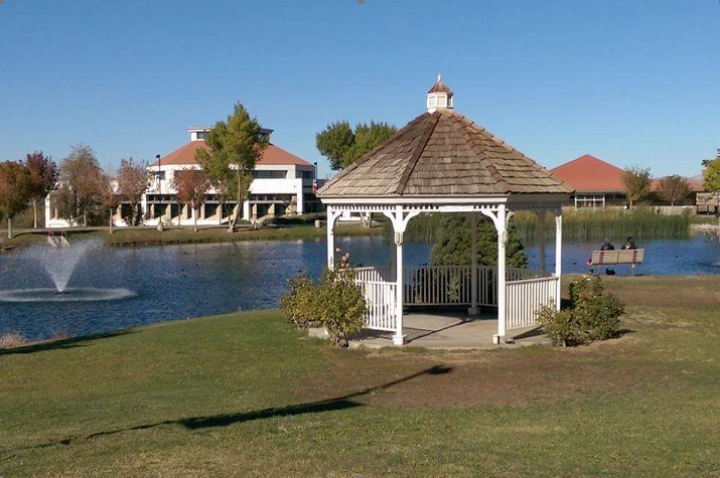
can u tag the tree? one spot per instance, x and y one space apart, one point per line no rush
673 188
133 179
334 142
637 184
191 185
453 243
221 176
81 183
15 190
235 147
109 198
43 176
711 174
711 183
342 146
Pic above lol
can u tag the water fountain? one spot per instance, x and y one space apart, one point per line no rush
60 261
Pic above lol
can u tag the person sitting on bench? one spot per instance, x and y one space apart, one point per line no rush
630 245
608 246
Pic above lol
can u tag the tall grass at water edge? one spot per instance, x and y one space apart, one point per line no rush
578 225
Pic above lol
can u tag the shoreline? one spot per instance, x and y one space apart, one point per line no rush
173 236
64 336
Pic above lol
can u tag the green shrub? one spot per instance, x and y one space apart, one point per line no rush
301 219
335 302
594 314
298 304
341 306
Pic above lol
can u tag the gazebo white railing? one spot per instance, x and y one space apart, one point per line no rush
526 297
517 293
432 286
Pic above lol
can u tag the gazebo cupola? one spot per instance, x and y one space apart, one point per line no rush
444 163
439 97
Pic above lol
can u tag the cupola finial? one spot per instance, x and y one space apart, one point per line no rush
440 97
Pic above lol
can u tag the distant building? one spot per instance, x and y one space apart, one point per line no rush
598 183
282 183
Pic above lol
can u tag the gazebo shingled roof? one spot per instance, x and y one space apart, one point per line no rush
443 154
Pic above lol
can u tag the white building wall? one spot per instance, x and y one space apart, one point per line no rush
289 185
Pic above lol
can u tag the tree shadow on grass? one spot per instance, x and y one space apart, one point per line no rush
61 344
344 402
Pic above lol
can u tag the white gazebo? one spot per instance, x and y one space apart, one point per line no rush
442 162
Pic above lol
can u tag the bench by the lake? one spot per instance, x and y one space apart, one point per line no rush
630 257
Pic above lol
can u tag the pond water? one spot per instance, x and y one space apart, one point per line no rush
175 282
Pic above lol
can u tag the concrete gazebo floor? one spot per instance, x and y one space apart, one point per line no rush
451 330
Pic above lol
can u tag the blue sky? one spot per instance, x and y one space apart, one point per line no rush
635 83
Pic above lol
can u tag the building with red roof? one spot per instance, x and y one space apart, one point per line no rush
598 183
283 183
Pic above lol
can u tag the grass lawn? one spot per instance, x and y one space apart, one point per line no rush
150 236
246 395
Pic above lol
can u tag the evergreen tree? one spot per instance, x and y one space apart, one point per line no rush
453 243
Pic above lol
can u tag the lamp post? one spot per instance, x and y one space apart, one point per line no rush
160 226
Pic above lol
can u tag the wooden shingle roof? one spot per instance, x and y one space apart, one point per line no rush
443 154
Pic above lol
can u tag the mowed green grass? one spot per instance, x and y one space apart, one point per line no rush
247 395
185 235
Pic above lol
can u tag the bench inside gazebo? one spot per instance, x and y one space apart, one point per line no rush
442 163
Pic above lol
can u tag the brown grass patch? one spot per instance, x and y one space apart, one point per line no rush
494 378
12 340
654 291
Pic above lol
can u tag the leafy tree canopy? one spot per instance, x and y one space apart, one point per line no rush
711 174
235 146
14 188
82 183
637 184
191 185
673 189
342 145
43 175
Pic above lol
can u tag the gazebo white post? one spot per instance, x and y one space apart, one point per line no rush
541 249
473 310
330 237
558 254
393 262
399 227
501 226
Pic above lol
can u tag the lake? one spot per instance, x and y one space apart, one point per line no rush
177 282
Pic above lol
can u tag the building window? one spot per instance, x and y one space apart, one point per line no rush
304 174
159 175
201 135
269 174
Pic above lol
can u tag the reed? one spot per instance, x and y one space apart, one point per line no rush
595 225
578 225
